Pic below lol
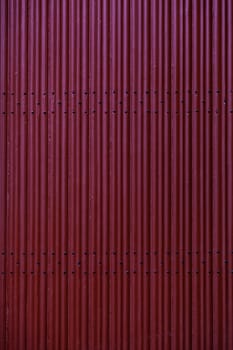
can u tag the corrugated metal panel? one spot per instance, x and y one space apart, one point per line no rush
116 174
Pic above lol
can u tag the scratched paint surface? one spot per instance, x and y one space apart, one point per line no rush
116 174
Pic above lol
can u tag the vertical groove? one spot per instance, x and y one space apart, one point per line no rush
116 174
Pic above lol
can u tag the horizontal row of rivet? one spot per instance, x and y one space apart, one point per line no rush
38 103
147 92
115 272
181 113
122 263
120 253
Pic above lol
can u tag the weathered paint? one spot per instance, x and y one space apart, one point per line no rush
116 174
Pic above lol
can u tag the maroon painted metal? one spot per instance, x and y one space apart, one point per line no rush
116 174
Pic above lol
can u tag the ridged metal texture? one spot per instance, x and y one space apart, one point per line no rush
116 174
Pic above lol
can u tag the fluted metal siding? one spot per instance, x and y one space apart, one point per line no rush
116 174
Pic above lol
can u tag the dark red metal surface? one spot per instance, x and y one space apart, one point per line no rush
116 174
